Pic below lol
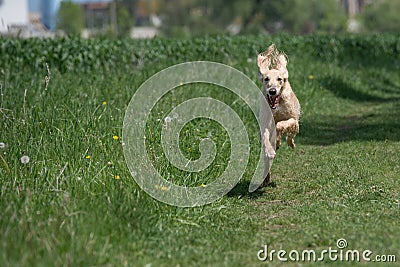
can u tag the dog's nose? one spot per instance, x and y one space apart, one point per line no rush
272 91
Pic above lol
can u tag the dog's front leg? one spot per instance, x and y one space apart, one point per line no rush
269 154
269 150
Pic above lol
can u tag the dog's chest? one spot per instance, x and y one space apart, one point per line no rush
281 112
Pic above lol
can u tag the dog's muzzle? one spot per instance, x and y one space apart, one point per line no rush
272 97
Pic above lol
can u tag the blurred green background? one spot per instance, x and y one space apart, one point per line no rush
188 18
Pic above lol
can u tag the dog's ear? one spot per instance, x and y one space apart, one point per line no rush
281 63
263 62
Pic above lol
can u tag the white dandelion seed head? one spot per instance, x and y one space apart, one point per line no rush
2 145
25 159
79 178
168 119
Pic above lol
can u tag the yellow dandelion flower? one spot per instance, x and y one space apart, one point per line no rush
311 77
163 188
203 185
88 157
104 103
115 137
116 177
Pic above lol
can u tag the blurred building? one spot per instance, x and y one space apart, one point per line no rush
97 14
13 13
49 10
46 11
21 18
102 16
38 18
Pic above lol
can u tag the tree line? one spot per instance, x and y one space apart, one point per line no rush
187 18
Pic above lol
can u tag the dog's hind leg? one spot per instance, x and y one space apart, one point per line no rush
267 179
278 137
293 130
289 127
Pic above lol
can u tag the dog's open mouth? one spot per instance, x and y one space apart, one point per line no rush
273 101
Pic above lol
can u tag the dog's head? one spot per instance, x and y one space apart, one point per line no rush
273 74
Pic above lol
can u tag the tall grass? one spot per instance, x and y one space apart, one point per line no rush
75 202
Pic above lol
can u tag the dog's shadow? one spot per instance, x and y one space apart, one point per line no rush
242 190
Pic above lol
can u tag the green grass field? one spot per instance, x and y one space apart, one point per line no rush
76 204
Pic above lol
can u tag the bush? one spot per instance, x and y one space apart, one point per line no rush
382 16
70 18
76 54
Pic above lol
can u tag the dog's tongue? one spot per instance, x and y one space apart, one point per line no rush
273 101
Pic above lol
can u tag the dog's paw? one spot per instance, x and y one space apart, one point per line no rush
270 154
290 142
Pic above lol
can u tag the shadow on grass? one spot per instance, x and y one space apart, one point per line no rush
378 100
326 130
327 133
242 189
343 89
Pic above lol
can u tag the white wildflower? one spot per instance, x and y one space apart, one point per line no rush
25 159
168 119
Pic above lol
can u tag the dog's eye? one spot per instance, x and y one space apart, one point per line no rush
266 79
279 79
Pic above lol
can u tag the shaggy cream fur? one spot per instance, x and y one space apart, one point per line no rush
282 101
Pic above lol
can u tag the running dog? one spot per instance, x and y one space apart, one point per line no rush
281 99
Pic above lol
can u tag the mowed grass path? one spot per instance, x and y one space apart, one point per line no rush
75 203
